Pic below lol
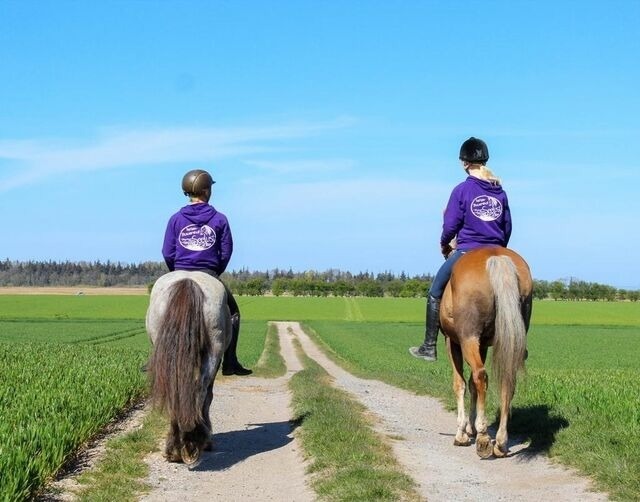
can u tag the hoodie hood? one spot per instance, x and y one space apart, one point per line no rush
487 186
199 213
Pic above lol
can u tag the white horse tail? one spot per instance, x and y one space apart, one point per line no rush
180 347
509 342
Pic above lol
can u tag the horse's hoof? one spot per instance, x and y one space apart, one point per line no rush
173 456
499 452
484 448
461 440
190 455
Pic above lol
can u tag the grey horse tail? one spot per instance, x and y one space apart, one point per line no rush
181 347
509 342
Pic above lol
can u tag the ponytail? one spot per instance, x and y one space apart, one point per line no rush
484 173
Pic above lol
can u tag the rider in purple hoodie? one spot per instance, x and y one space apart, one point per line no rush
198 237
477 215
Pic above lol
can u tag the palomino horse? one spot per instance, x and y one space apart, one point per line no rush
487 302
189 324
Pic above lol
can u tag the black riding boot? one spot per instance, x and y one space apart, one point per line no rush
230 364
427 350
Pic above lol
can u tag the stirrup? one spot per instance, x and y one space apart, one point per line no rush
423 352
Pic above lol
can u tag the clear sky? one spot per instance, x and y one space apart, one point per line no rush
331 127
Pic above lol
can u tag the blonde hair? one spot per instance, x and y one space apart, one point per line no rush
483 172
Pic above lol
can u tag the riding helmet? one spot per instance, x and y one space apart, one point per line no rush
196 182
474 150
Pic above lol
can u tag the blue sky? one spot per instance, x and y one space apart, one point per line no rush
331 127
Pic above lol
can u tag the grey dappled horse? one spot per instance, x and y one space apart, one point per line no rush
189 324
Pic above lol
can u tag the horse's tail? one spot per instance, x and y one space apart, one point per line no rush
180 348
509 342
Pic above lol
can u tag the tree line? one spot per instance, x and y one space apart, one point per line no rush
82 273
277 282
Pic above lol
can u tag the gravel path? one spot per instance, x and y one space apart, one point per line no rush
256 455
426 452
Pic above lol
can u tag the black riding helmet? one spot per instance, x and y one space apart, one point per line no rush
474 150
196 182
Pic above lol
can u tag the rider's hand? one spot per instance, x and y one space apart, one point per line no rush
446 250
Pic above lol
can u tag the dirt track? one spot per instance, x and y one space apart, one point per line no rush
256 455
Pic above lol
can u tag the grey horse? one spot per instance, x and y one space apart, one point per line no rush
189 324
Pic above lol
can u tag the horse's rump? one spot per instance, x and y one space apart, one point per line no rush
470 295
189 325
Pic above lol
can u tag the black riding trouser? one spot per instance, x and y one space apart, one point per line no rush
230 356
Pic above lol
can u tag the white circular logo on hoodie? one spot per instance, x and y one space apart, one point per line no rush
486 208
197 238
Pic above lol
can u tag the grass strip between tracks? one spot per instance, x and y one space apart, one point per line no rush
348 460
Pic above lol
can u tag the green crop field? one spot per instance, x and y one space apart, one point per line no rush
69 364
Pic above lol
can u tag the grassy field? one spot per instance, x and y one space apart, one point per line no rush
579 401
133 307
69 364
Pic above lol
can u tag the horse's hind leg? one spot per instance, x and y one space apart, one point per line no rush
473 392
208 444
471 352
173 444
500 449
473 407
455 355
193 443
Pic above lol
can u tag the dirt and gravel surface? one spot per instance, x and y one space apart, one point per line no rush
256 455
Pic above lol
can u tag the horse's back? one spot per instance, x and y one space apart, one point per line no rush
470 288
215 307
473 265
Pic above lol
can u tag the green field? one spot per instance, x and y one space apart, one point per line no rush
133 307
69 364
578 402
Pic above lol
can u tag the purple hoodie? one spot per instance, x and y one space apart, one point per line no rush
198 238
478 214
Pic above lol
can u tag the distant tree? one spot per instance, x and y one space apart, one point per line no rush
557 290
278 286
394 288
415 288
541 289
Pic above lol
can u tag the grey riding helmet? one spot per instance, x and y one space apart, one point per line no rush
196 182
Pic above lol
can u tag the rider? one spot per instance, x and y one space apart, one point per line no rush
198 237
477 215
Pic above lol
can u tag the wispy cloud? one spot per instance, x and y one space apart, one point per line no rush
118 147
303 165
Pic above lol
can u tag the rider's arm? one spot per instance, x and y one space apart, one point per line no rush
453 218
226 247
169 246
